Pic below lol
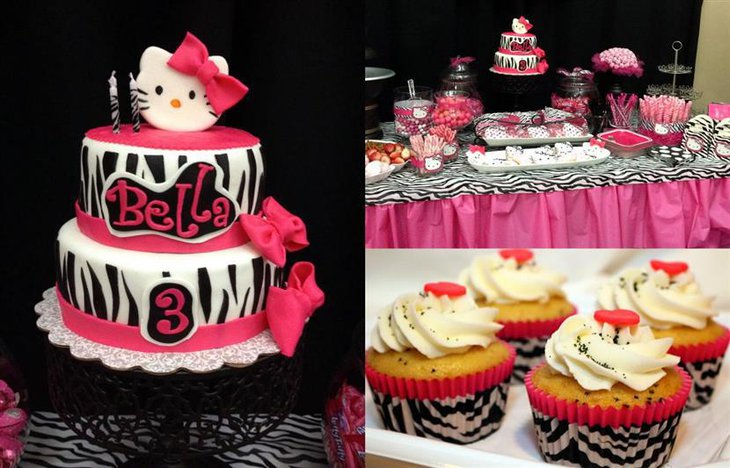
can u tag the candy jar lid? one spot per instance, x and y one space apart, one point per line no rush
460 71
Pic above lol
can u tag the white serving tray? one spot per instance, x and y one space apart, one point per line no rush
535 141
703 433
531 167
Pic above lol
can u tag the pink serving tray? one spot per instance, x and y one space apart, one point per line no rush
625 143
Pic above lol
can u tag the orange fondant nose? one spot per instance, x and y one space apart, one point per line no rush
175 103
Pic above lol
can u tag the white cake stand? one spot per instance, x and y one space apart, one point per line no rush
238 355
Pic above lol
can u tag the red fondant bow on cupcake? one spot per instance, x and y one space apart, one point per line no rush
191 58
274 231
287 310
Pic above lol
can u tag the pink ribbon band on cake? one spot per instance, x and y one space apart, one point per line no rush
531 328
287 311
429 389
584 414
191 58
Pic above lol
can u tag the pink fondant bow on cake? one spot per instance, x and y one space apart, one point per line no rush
274 231
191 58
287 310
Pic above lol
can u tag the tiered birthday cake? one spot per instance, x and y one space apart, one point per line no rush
518 53
173 248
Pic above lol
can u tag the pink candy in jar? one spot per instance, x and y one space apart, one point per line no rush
412 110
456 111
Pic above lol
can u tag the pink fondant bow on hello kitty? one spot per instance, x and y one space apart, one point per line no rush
191 58
274 231
287 310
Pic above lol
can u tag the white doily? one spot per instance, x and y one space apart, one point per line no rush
238 355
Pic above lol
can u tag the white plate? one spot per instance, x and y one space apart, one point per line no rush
398 167
532 167
382 175
535 141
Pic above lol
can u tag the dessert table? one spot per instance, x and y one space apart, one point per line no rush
628 203
295 442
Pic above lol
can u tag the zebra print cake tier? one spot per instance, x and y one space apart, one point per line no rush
136 289
188 187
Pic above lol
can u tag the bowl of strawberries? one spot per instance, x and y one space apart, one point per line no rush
390 153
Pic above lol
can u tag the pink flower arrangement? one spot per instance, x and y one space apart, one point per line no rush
619 61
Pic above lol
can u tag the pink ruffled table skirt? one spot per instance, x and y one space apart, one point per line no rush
683 214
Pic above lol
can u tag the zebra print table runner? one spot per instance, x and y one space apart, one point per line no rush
458 178
296 442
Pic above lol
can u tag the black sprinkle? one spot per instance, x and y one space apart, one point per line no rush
651 392
433 370
615 399
636 397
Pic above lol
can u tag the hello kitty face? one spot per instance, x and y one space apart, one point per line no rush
170 100
722 149
432 164
521 25
420 112
694 144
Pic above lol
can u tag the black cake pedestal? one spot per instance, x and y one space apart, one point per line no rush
177 420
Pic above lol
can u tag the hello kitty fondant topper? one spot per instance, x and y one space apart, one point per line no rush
188 90
521 25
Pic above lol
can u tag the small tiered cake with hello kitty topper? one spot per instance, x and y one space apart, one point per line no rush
173 249
518 53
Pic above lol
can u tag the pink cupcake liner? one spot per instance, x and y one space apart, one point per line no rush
583 414
531 328
703 351
429 389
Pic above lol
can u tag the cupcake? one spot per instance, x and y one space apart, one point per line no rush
669 300
610 394
529 300
436 368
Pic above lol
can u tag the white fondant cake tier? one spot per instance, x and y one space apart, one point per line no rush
234 175
115 284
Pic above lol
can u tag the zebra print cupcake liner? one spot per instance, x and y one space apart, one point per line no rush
583 435
570 444
458 420
530 353
529 338
702 362
459 410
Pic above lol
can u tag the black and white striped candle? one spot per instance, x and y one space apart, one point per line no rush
114 98
134 97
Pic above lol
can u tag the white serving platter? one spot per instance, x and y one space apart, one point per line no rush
535 141
532 167
382 175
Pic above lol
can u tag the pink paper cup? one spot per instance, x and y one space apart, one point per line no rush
458 410
702 362
529 338
576 434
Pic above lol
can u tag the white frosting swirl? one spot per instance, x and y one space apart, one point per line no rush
661 301
434 325
598 355
505 281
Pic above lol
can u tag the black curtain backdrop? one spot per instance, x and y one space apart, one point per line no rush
416 38
302 61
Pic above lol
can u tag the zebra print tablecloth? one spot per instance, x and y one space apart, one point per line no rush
296 442
458 178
